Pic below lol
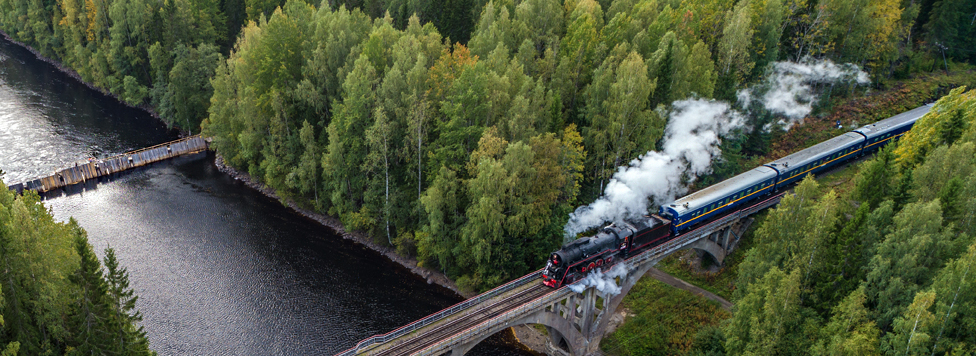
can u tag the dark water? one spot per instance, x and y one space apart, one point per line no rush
49 120
220 269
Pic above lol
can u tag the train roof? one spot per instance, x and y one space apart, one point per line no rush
816 152
905 118
642 223
722 189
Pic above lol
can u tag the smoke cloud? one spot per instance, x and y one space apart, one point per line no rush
603 282
692 138
788 88
691 142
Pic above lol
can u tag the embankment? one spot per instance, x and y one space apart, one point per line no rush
432 277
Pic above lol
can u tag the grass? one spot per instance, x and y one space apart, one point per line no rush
665 320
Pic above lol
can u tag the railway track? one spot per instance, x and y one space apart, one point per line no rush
472 318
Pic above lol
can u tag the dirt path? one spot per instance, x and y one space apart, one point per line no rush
680 284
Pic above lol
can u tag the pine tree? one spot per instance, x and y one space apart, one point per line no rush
129 337
952 128
903 193
950 200
873 183
93 310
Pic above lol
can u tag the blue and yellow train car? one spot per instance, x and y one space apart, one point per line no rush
717 199
816 159
889 130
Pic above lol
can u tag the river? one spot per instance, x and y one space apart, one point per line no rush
219 268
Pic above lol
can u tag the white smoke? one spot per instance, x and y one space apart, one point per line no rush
603 282
788 88
692 138
691 142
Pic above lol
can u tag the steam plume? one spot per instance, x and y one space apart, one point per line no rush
691 142
603 282
692 138
788 88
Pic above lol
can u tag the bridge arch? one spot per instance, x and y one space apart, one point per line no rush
578 319
553 322
575 319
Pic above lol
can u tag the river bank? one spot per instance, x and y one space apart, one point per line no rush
74 74
432 277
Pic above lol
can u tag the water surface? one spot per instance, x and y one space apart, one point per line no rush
219 268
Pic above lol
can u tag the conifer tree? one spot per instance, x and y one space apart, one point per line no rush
93 311
129 337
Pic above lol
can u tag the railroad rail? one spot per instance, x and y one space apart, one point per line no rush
481 316
84 171
437 317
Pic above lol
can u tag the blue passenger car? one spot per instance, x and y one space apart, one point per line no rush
719 198
889 130
732 194
816 159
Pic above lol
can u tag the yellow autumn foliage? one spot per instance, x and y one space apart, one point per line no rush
926 134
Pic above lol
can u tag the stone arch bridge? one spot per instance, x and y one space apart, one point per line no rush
575 321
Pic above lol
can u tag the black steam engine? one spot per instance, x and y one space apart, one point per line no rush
612 244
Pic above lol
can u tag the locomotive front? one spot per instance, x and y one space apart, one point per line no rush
575 259
554 271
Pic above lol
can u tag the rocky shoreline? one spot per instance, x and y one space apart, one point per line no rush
432 277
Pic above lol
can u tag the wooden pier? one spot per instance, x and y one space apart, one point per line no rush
83 172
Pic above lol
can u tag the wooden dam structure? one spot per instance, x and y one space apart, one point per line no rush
82 172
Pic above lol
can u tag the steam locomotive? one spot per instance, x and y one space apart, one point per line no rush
618 241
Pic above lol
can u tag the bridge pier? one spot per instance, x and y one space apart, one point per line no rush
720 243
576 322
581 319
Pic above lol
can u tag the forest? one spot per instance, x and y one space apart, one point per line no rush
58 298
882 268
464 132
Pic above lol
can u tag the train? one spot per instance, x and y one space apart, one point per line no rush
617 241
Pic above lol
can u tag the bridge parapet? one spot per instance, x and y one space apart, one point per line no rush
481 331
377 340
576 319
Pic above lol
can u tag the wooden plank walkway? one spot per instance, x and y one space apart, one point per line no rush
82 172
